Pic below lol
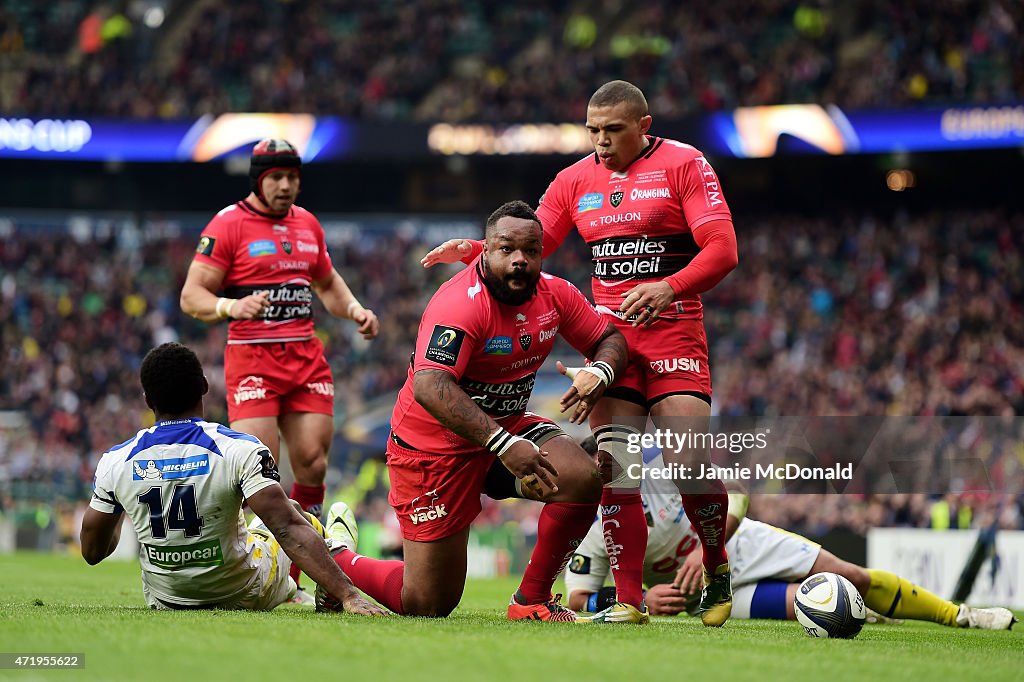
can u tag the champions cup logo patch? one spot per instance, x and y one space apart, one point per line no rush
445 344
579 564
498 345
616 198
205 246
165 469
590 202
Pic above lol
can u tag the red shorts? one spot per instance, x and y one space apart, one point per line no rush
669 357
436 496
271 379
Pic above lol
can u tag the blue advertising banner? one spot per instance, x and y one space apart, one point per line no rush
759 132
748 132
206 139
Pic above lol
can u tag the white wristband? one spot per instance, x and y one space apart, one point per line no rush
501 440
224 306
602 370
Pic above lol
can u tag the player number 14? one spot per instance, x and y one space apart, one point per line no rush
182 514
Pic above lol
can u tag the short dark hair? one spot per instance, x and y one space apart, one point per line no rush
617 92
511 209
172 378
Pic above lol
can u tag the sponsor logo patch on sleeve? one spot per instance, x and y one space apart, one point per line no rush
268 467
444 346
580 564
205 247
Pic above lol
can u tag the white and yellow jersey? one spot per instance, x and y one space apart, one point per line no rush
182 483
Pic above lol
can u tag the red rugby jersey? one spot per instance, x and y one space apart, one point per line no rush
637 222
280 254
493 350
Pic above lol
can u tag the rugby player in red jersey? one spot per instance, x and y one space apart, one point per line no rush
268 256
660 233
460 428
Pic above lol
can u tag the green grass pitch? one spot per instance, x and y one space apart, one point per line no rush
51 604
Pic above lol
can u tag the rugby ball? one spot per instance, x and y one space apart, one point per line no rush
828 605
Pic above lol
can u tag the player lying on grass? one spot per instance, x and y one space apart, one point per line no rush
768 564
182 483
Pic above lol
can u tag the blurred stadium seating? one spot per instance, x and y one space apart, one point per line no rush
846 302
530 61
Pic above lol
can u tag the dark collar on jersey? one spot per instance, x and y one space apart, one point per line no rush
645 153
273 216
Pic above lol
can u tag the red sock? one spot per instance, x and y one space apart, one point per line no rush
380 579
707 514
625 538
560 530
311 497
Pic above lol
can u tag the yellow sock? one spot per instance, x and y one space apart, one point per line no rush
896 597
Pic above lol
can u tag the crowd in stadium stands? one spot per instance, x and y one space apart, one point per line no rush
531 60
865 315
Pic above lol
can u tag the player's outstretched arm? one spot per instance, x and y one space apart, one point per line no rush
453 251
439 394
307 549
100 534
341 302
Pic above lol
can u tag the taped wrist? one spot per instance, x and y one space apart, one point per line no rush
224 306
500 441
620 441
601 369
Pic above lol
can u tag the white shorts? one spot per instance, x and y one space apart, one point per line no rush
270 587
759 551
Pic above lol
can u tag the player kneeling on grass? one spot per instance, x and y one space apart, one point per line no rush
768 565
182 483
460 428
